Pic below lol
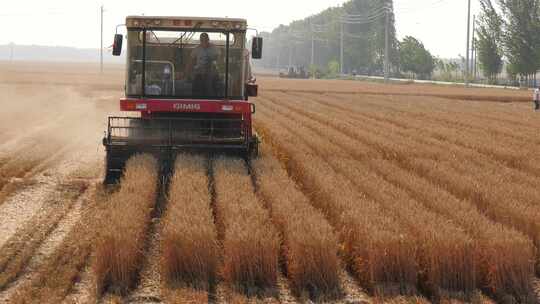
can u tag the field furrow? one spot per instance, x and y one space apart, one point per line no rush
148 288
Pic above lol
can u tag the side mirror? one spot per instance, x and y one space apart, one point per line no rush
257 48
117 45
252 90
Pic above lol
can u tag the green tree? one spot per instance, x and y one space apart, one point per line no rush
521 38
333 68
489 41
414 58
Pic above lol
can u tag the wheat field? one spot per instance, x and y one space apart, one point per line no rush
362 193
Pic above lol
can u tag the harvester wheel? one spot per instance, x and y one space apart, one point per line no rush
254 147
112 176
115 161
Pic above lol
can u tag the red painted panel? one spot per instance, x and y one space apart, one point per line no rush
183 105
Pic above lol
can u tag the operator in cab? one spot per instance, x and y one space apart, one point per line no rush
205 74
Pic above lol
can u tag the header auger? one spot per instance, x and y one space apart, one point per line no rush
190 79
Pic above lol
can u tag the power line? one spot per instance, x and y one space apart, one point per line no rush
468 37
377 11
346 19
354 36
435 4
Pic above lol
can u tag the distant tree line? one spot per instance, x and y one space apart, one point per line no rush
319 36
509 33
364 44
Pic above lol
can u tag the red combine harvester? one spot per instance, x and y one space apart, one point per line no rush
190 79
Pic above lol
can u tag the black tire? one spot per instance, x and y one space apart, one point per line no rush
254 147
111 176
115 162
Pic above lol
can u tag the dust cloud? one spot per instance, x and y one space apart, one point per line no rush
49 106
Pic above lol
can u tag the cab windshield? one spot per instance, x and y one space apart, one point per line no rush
186 64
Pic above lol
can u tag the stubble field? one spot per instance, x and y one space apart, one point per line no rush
363 193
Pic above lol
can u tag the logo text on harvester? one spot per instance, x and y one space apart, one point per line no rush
187 106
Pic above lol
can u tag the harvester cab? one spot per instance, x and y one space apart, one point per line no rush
188 81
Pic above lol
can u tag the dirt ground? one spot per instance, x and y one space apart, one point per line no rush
53 117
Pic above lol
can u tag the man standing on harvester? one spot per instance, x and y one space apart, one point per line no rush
205 75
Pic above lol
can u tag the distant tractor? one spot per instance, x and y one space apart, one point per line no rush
298 72
190 79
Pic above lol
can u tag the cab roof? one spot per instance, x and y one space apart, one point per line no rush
186 23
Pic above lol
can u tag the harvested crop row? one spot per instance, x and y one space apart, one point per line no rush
18 251
119 247
250 241
67 261
309 243
444 249
18 172
12 174
376 247
189 239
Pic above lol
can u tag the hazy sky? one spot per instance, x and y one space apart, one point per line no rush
440 24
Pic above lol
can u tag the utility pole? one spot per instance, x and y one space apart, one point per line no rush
468 41
11 46
101 45
472 49
290 55
475 58
278 57
387 46
312 49
341 48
